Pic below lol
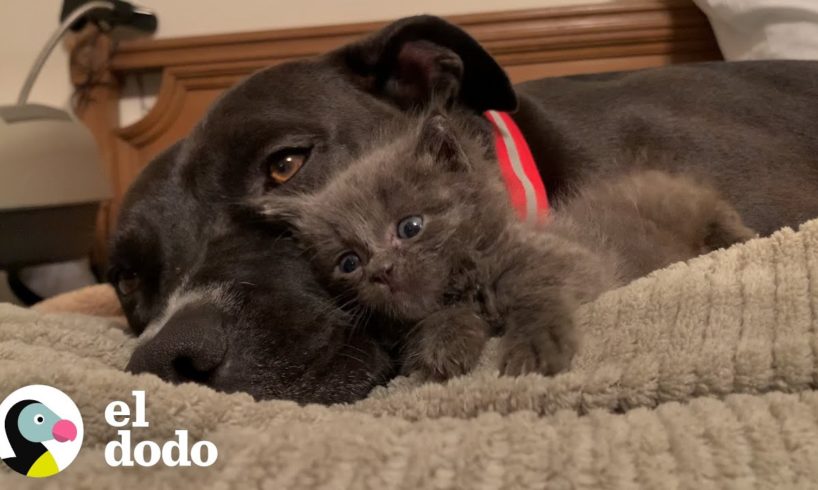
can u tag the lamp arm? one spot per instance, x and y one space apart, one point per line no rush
52 42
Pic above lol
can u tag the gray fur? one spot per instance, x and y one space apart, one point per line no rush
474 270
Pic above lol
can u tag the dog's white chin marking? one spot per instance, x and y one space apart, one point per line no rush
215 294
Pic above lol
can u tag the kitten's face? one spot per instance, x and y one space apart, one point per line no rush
390 232
394 243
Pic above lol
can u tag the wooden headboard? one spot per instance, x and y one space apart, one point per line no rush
529 44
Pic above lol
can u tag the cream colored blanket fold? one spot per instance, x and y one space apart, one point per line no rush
698 376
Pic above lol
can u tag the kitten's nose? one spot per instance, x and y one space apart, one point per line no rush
383 273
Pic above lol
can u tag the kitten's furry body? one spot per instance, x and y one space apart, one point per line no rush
474 270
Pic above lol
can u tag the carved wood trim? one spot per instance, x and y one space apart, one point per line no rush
546 34
96 103
176 82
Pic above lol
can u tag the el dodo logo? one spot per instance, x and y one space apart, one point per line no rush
41 431
177 452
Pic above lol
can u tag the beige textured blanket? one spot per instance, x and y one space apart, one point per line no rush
698 376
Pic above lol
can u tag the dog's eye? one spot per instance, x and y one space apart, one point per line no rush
126 282
283 165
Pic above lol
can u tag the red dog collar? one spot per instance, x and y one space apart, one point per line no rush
525 187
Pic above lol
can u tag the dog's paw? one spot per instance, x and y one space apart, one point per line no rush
538 352
446 344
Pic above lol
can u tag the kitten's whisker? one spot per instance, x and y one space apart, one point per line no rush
350 356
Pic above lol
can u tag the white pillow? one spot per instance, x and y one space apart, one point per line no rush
764 29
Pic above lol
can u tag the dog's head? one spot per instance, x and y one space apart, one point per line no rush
220 297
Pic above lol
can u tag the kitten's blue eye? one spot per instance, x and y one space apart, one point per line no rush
410 227
349 263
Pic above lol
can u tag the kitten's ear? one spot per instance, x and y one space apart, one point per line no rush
438 139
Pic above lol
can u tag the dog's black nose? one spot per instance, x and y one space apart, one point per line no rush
190 346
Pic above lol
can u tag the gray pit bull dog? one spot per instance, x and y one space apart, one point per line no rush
221 298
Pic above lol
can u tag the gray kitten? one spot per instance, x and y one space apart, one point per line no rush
420 231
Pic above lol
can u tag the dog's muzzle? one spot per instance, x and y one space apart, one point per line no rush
190 346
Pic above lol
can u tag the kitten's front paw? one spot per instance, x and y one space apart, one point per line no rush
446 344
546 351
726 228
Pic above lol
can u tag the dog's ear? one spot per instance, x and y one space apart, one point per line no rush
420 59
439 140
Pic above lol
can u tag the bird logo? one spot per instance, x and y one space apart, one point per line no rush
41 429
